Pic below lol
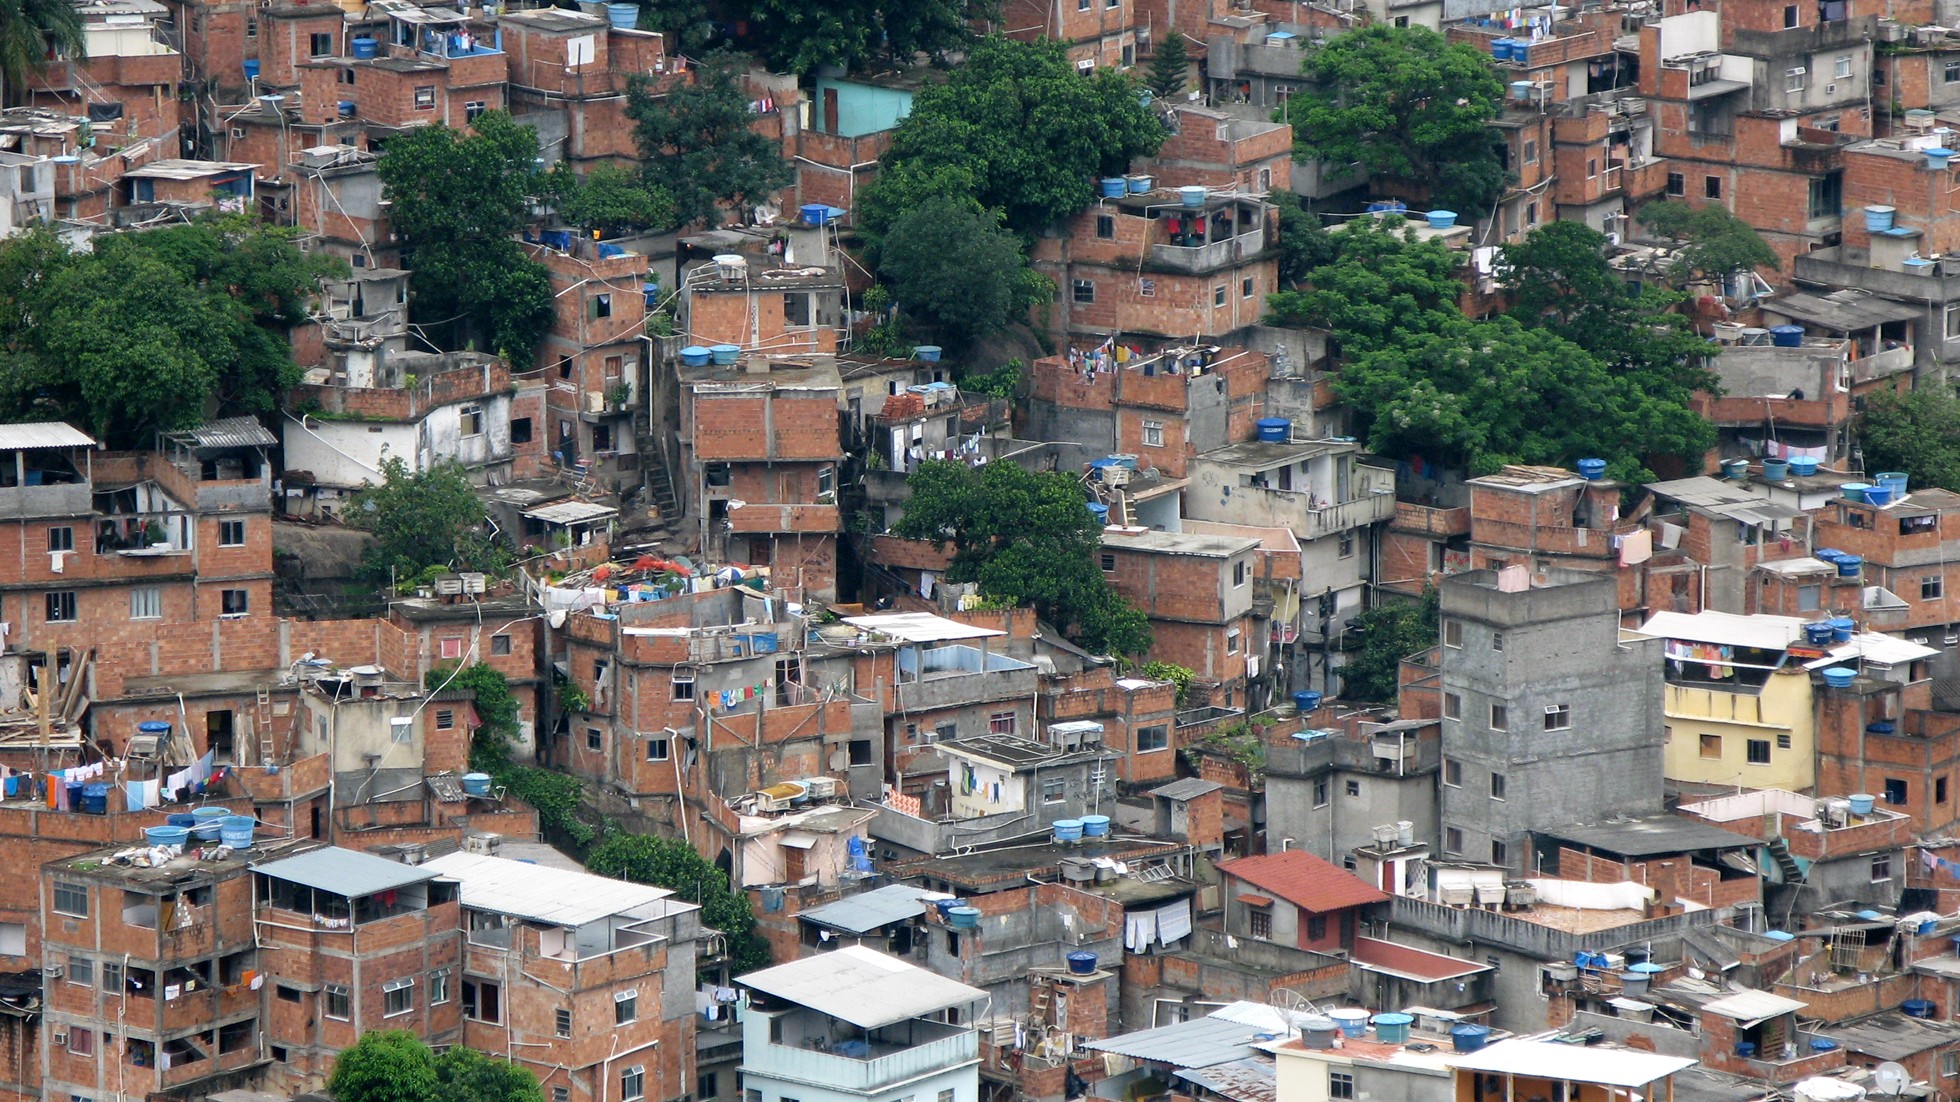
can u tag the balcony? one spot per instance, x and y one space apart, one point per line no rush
764 518
1211 256
956 675
48 500
863 1075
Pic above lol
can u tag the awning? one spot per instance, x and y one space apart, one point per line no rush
1251 900
799 839
1846 313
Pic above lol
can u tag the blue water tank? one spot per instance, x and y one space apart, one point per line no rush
1803 466
476 784
695 355
1854 491
1817 633
1441 219
815 214
1068 830
623 17
1828 554
1469 1038
170 837
1850 565
1392 1028
1095 826
1776 470
1879 219
1275 430
724 355
1838 677
1306 700
236 831
95 799
1592 470
1822 1044
1895 481
1917 1008
251 68
927 353
1786 336
1861 802
964 918
1100 511
1115 187
1878 495
1081 963
365 47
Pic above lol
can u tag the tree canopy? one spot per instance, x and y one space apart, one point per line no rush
608 199
1168 74
393 1065
1409 106
673 864
696 144
1389 632
459 200
1711 242
422 521
796 36
496 707
952 266
1017 130
157 330
31 32
1915 431
1375 284
1026 537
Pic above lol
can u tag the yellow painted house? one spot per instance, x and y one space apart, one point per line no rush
1738 703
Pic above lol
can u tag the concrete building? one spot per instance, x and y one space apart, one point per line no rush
1330 791
858 1026
1738 703
1550 716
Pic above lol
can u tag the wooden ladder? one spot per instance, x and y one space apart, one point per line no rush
262 724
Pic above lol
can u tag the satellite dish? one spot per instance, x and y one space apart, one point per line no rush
1891 1078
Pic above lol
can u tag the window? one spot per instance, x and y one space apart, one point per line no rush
1949 1063
1453 772
1259 923
1789 16
1677 184
1081 5
562 1022
1320 792
1146 288
234 602
1711 747
1054 790
231 533
594 740
1758 750
1232 641
1157 736
251 28
1453 841
1500 854
483 1001
1452 706
1939 790
657 749
1809 597
289 994
61 539
632 1083
1153 434
1558 717
13 939
1316 927
112 976
1239 573
1083 291
1711 187
1951 73
499 645
1881 867
1340 1085
321 44
600 305
1353 790
1531 214
1895 791
71 899
337 1005
425 98
626 1007
520 430
1500 717
472 420
474 108
1218 295
1497 640
1109 564
1793 79
1001 723
146 603
61 607
1497 786
81 1042
1105 226
398 997
1841 66
439 987
1245 287
944 1096
445 719
858 751
81 970
1932 587
1453 633
683 685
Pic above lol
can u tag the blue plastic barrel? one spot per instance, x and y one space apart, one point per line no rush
476 784
171 837
1817 633
724 355
1895 481
1861 802
236 831
1306 700
365 47
1115 187
1592 470
153 727
815 214
1193 195
623 17
1081 963
1275 430
964 918
1469 1038
1500 49
1849 566
1776 470
1441 219
205 822
1745 1049
95 799
1786 336
1095 826
1780 935
185 821
1879 219
1803 466
927 353
695 355
1918 1008
1838 677
1140 182
1068 830
251 68
1844 627
1100 511
1822 1044
1392 1029
12 787
1854 491
1878 495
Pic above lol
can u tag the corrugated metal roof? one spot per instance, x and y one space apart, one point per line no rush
1198 1043
863 913
1250 1080
1747 1008
920 627
43 434
345 872
1612 1067
228 432
1190 788
540 893
570 512
1763 632
861 986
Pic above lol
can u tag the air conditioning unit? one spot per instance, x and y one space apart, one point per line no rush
53 971
59 1036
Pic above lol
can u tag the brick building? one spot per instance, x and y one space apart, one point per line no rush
773 310
595 355
126 86
1197 591
569 72
1099 33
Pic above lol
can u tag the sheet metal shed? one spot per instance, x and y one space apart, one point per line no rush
861 986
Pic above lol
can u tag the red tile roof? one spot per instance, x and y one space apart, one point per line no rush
1304 880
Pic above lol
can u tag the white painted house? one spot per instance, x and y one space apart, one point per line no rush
858 1025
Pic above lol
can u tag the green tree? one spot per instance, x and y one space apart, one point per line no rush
952 267
1169 73
1710 242
31 32
796 36
1025 537
466 1075
1388 632
687 24
495 706
1177 675
152 331
1017 130
385 1065
1380 285
1915 431
696 143
1304 243
423 520
673 864
608 200
1409 106
459 200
